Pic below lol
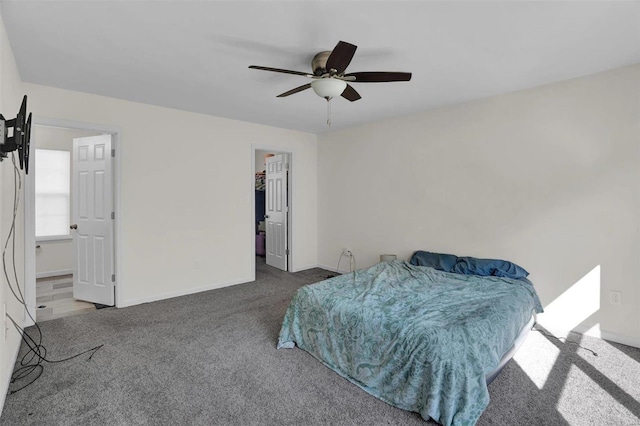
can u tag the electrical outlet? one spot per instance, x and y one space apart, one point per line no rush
615 297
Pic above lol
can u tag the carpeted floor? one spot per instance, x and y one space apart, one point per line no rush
210 359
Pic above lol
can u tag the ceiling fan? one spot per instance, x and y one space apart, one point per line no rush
329 78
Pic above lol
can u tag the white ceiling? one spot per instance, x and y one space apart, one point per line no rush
194 55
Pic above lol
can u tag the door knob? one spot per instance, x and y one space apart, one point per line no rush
74 226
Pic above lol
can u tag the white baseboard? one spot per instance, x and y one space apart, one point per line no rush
47 274
304 268
608 335
178 293
333 269
5 386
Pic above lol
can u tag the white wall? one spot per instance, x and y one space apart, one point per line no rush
548 178
47 137
54 257
186 216
10 98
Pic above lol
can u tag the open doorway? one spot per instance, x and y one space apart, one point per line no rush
69 219
54 238
272 208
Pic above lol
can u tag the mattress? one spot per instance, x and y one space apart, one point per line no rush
420 339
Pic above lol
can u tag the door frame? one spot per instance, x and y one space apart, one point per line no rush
290 153
30 217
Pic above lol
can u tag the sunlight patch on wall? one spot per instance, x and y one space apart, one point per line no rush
539 363
575 305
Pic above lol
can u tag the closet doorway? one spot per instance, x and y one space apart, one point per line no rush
272 208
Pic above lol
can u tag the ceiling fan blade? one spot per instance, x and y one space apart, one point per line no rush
296 90
256 67
350 94
379 76
341 56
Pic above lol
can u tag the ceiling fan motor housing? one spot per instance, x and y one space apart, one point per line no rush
319 63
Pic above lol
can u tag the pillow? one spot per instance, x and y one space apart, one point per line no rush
443 262
488 267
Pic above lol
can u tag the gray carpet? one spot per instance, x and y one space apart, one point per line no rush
210 359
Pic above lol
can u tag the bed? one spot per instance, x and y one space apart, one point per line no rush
416 337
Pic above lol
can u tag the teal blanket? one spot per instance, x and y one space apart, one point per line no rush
420 339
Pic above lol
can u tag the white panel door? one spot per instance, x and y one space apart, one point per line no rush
92 228
276 210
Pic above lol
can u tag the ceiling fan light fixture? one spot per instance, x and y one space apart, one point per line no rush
328 87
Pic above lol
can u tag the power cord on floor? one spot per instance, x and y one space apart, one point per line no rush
32 360
563 340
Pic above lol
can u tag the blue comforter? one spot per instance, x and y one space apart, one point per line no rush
420 339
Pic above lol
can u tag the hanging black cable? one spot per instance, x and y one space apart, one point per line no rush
32 360
39 352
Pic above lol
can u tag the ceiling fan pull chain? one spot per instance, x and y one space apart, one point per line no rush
329 112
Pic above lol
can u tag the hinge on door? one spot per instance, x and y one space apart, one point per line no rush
113 215
113 278
113 152
286 252
286 166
